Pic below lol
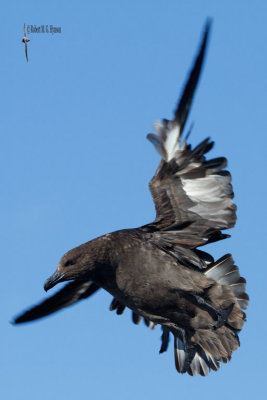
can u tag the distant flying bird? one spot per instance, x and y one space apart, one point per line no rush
157 270
25 40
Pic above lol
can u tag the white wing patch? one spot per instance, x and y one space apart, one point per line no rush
211 188
212 195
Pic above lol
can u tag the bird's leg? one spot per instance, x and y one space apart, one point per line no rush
221 315
165 337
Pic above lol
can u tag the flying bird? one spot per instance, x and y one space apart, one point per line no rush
158 270
25 40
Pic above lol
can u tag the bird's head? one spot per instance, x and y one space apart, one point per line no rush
75 264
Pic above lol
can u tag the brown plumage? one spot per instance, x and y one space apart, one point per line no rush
156 270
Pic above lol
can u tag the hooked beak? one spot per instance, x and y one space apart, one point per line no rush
53 280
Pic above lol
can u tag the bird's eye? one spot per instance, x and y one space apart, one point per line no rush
69 262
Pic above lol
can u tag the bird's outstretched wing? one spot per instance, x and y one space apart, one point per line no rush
192 196
70 294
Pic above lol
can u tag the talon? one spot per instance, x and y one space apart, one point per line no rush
219 315
222 315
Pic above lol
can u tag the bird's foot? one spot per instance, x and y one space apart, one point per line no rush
222 315
218 314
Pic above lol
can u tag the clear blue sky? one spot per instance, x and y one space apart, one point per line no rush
75 164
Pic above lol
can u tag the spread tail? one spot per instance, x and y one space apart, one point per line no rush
205 349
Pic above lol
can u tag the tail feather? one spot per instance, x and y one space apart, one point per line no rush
238 289
220 268
180 355
200 364
207 348
225 273
213 363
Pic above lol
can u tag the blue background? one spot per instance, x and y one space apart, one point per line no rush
75 164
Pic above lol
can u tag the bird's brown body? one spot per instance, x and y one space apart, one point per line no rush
142 276
150 281
157 270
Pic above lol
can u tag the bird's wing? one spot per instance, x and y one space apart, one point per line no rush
26 51
70 294
192 196
24 30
